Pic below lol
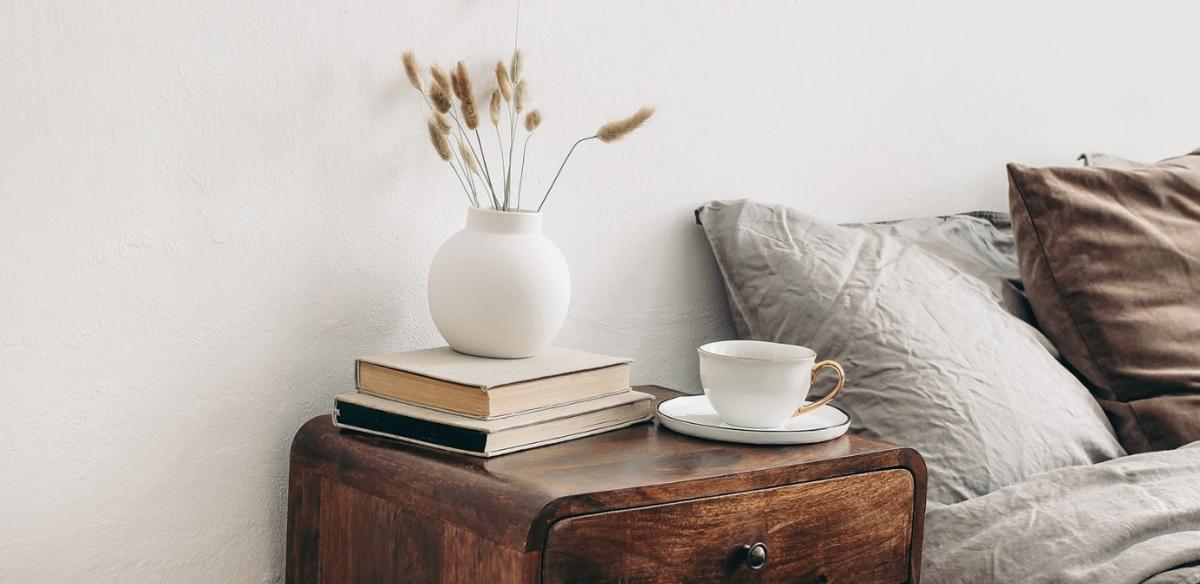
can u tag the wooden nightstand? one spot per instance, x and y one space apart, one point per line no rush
639 504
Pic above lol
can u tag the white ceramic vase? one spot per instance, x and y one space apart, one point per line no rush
499 288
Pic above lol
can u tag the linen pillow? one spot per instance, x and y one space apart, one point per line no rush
979 243
1111 261
933 361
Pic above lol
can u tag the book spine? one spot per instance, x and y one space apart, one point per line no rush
409 427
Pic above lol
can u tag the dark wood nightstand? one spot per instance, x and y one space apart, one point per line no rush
640 504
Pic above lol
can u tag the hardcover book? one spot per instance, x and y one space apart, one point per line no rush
443 379
486 438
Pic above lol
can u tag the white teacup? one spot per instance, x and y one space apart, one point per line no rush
757 384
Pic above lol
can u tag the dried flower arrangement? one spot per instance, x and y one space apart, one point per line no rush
469 161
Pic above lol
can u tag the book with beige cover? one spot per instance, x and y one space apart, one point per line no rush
443 379
447 431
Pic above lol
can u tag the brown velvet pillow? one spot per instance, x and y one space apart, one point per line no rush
1111 262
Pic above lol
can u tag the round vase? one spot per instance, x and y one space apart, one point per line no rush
499 288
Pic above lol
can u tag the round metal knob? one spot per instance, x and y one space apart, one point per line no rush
756 555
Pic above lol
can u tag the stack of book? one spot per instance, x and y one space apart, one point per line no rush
487 407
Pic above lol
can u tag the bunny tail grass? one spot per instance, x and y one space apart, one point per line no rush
519 96
441 99
533 119
621 128
461 81
494 108
439 140
442 124
441 78
517 66
410 69
502 81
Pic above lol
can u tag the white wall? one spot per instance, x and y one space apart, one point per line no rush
210 208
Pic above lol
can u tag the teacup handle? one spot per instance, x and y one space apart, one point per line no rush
836 390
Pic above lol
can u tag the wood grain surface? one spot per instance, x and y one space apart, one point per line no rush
848 529
347 488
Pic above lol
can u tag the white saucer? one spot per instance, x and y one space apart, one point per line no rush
692 415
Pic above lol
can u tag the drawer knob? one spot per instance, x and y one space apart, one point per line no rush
756 555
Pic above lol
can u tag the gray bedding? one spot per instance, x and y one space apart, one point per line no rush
1132 519
938 361
933 360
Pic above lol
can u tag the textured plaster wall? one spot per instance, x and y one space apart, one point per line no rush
208 209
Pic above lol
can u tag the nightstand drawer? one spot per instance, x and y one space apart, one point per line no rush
855 528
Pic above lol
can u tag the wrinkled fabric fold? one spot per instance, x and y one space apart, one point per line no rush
1128 520
932 358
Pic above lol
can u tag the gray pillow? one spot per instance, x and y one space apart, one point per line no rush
979 243
933 361
1103 160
